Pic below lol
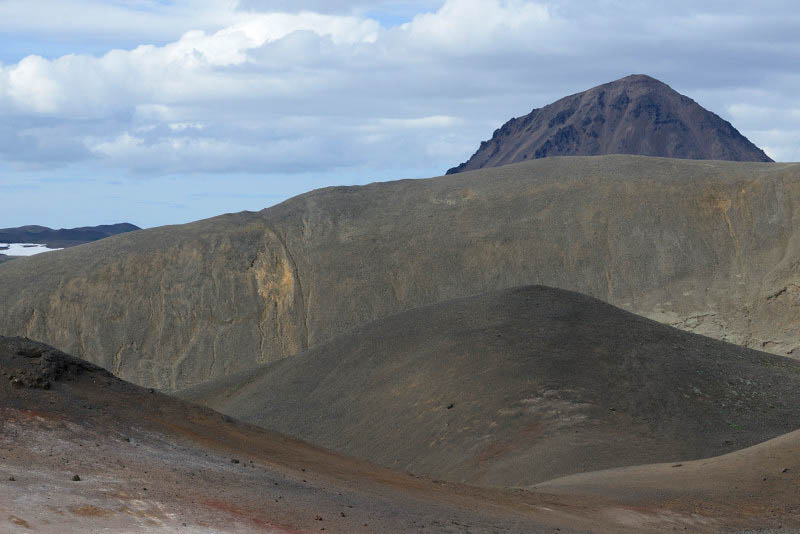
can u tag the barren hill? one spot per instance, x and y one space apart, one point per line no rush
760 480
708 246
81 451
145 462
516 387
634 115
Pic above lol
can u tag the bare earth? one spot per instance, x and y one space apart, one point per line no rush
150 463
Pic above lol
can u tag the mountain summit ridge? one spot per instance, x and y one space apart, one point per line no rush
637 115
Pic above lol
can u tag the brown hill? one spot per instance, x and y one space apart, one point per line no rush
150 463
516 387
761 480
710 247
634 115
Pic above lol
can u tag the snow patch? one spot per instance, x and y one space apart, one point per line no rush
24 249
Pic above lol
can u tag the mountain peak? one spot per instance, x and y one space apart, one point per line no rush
637 114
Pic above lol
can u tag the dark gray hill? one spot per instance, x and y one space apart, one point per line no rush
708 246
65 237
516 387
634 115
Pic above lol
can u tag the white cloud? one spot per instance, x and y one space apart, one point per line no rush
468 27
434 121
146 20
240 87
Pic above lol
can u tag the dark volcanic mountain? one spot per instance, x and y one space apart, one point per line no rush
634 115
65 237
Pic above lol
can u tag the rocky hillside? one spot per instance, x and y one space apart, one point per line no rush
710 247
634 115
86 452
83 451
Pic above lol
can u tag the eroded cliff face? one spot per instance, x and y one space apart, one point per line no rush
711 247
172 313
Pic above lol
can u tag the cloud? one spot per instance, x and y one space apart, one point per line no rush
467 27
276 87
145 20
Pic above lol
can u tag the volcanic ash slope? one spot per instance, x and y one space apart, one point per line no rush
519 386
81 451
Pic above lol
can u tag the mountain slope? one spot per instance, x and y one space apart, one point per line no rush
150 463
706 246
63 237
759 481
516 387
634 115
146 462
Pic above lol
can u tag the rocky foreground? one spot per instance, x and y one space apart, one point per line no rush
83 451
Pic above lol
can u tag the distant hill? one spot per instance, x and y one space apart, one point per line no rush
518 386
64 237
708 246
634 115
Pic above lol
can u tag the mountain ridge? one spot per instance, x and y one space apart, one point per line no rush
175 306
63 237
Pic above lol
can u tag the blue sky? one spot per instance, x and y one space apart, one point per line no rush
163 112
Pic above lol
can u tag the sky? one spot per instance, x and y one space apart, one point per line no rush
166 111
